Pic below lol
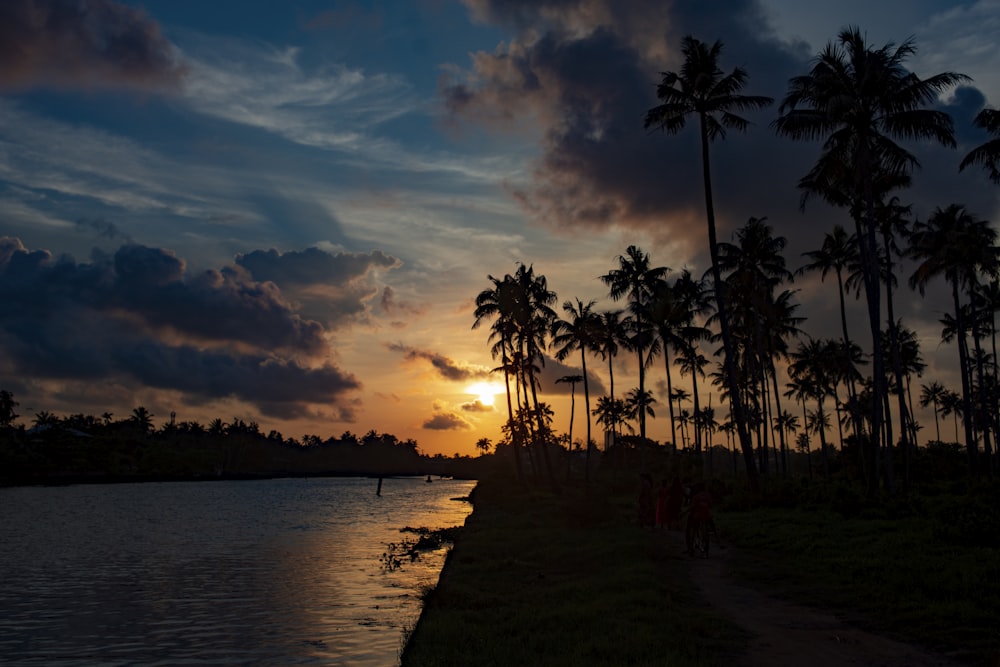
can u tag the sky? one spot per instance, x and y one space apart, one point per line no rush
283 212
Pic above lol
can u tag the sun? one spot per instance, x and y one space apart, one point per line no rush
485 391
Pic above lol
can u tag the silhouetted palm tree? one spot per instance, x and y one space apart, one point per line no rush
956 244
988 154
859 99
635 280
701 89
838 252
578 332
572 380
931 394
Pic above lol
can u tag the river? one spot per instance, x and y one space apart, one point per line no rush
270 572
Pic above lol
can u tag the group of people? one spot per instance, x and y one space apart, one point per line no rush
662 506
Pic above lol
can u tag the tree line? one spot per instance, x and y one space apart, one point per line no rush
83 447
736 324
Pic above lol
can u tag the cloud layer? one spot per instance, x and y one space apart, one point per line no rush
83 44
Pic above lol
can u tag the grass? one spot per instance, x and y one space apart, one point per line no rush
917 577
539 579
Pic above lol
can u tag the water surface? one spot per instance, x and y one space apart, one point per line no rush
275 572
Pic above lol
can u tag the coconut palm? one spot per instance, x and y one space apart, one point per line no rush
860 99
986 155
838 252
635 280
577 332
639 402
932 394
956 244
702 90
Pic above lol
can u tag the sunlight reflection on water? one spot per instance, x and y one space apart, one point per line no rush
264 572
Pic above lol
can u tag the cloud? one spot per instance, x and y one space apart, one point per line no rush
476 406
83 44
102 228
447 421
553 370
313 266
445 367
139 317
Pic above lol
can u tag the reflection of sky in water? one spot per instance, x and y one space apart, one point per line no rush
269 572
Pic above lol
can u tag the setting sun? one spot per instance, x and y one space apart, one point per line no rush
485 391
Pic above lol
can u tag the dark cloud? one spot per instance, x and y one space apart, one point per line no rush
476 406
585 72
83 43
139 317
445 367
102 228
447 421
553 370
391 304
313 266
333 288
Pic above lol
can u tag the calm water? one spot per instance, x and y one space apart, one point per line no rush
275 572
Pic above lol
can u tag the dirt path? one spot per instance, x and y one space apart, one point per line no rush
789 634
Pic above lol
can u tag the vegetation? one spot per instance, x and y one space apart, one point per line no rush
541 579
924 569
564 579
81 448
862 102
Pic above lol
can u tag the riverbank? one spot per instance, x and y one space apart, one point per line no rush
539 579
570 579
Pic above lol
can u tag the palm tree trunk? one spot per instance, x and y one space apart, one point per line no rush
963 361
670 391
736 403
983 406
852 388
586 400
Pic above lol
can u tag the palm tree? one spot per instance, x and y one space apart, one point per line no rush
639 402
483 445
756 269
814 364
499 303
838 252
612 330
987 155
142 419
859 99
635 280
931 394
956 244
703 90
578 332
572 380
952 404
610 412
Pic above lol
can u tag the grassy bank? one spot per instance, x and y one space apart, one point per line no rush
926 571
539 579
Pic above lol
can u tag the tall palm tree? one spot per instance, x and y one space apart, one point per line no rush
838 252
577 332
988 154
956 244
572 380
756 267
951 405
702 90
931 394
500 303
860 99
635 280
612 331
